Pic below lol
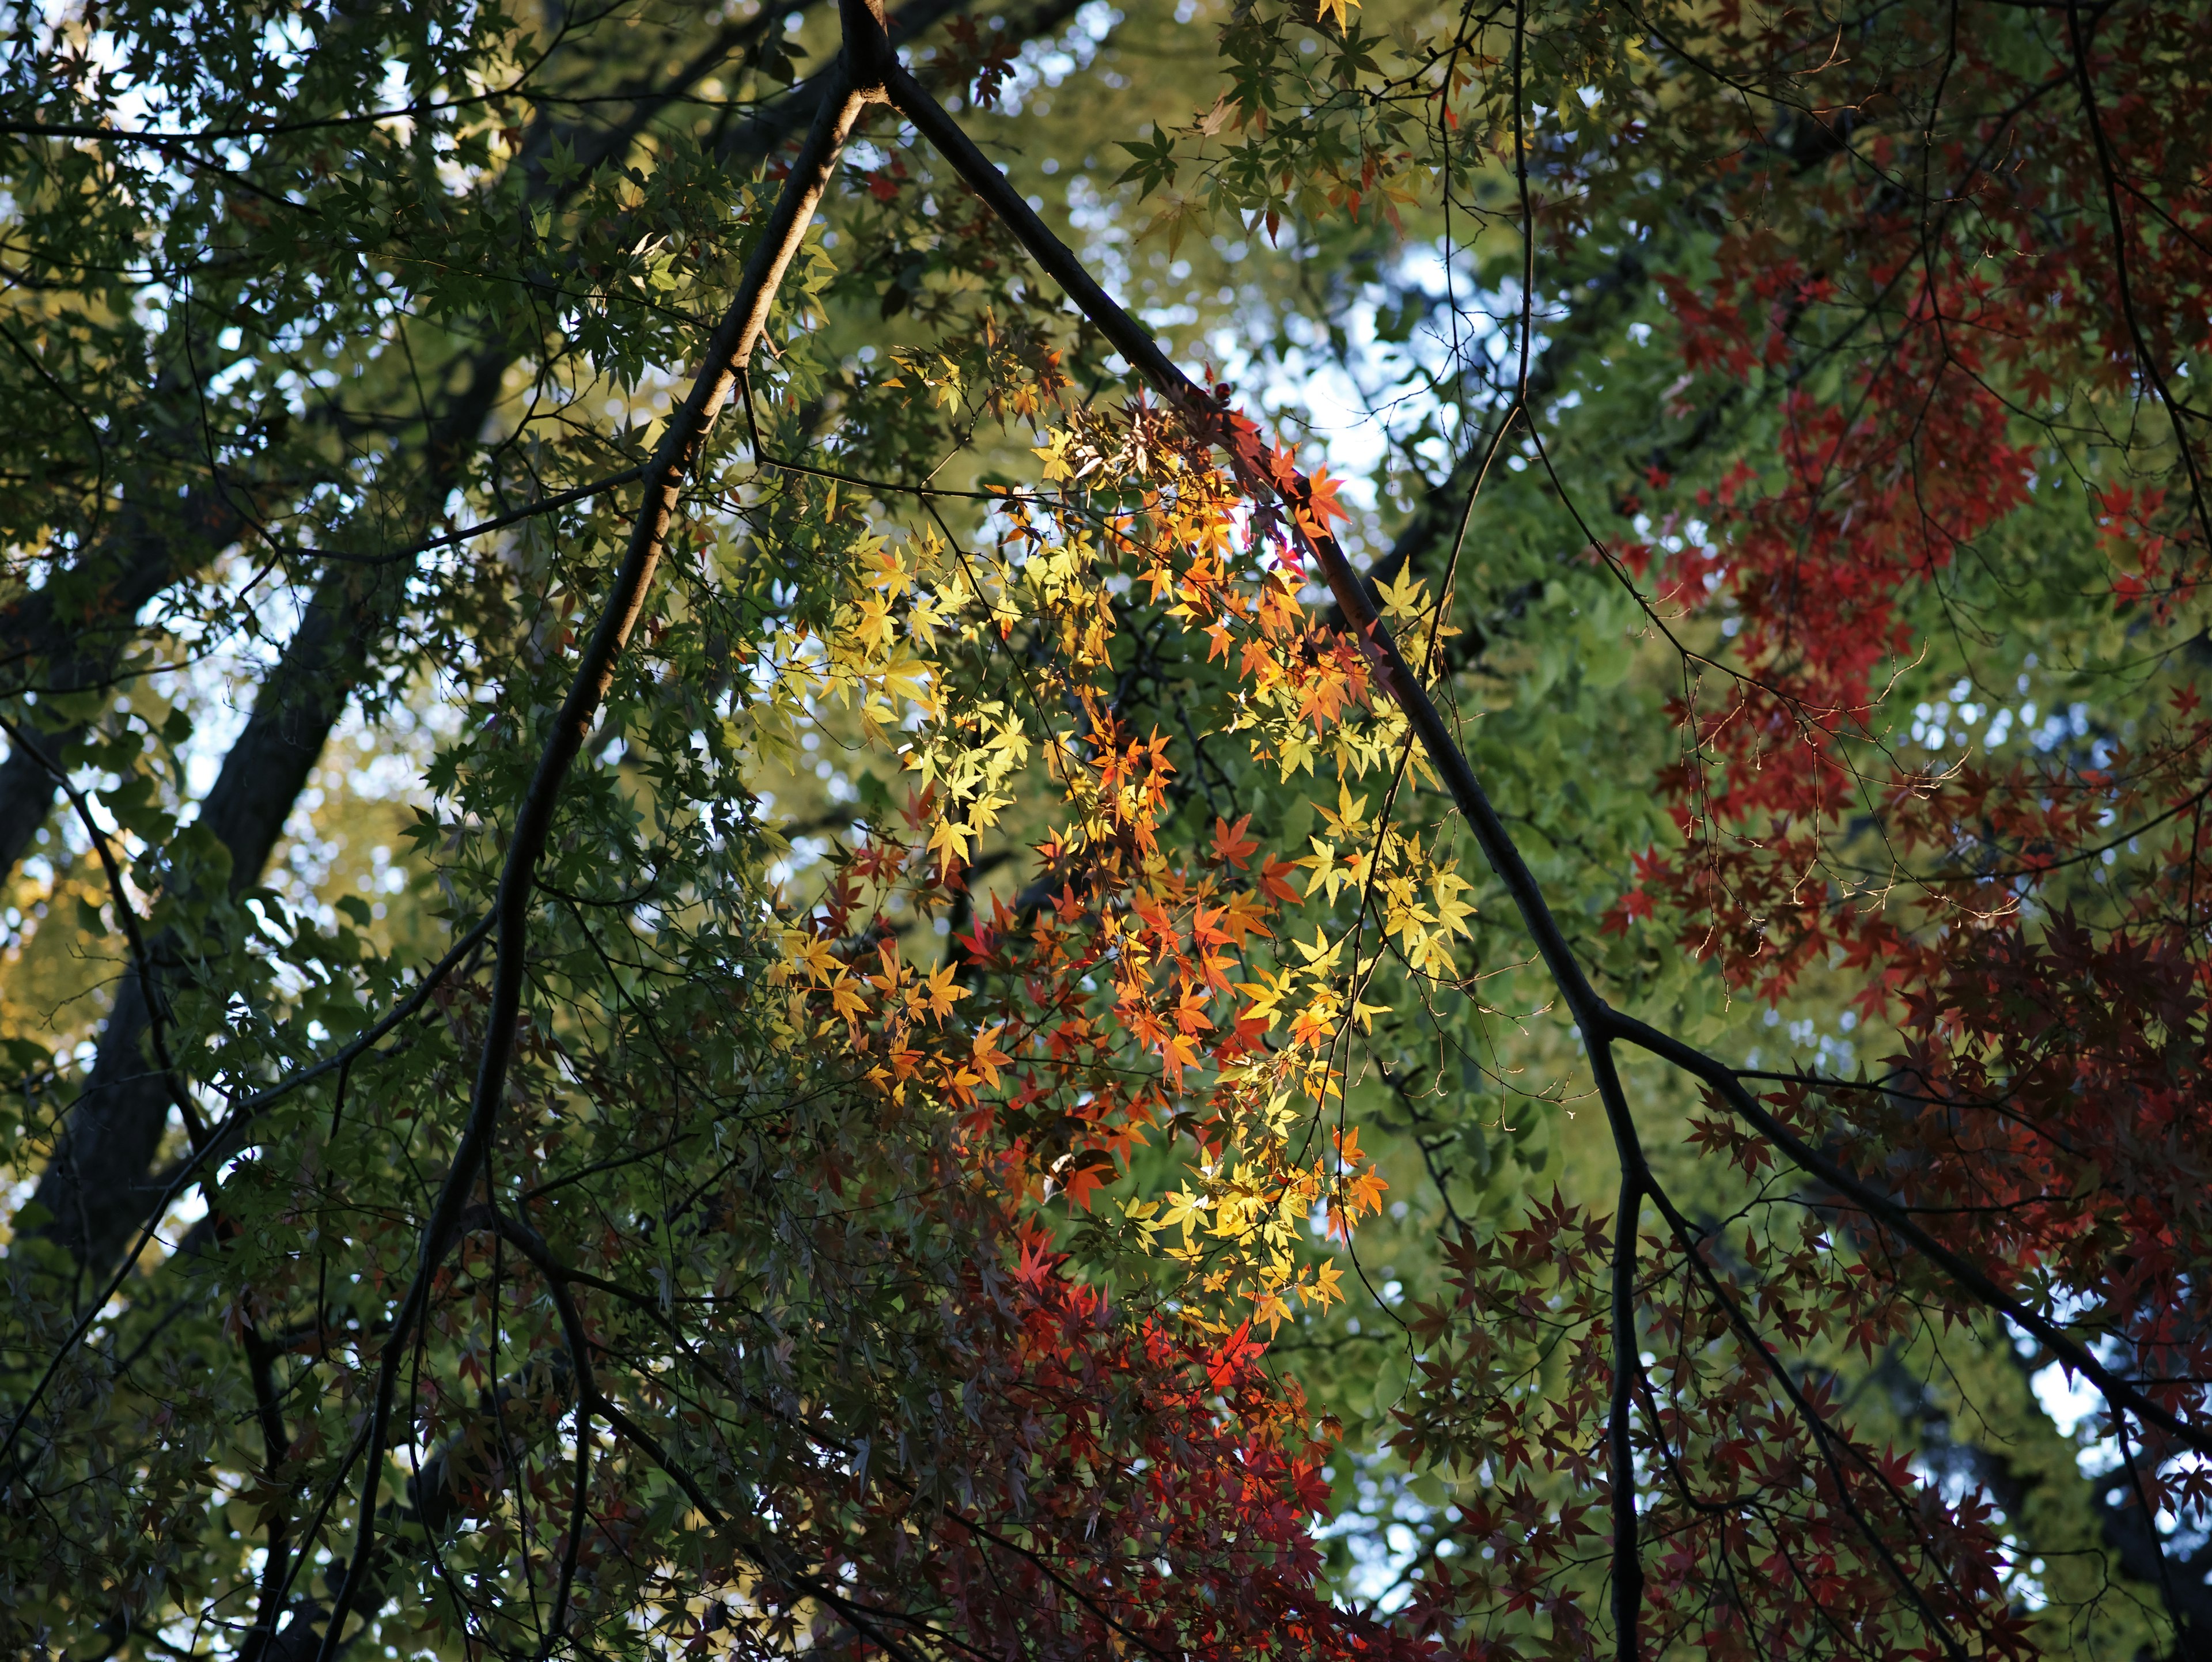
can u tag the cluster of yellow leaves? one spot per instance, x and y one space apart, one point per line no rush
1416 896
876 659
1233 1217
1305 696
1302 683
933 370
1007 371
879 659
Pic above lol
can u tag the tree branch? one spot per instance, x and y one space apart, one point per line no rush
726 355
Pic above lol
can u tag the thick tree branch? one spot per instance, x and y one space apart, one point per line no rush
727 355
96 1186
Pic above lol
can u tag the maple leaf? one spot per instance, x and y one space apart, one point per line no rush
1035 1265
1312 1023
1275 880
1206 928
1236 1353
1329 871
1184 1210
1055 455
1267 995
1244 916
1319 505
1407 598
948 840
1348 822
1366 1190
1321 957
1230 843
814 955
846 1000
985 1055
940 992
1270 1308
1326 1287
1177 1051
1085 1173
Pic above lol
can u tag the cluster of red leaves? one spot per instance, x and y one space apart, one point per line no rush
2046 1106
1958 319
1481 1408
1878 495
1127 1491
2051 1082
979 64
2051 1094
1768 1527
2044 1116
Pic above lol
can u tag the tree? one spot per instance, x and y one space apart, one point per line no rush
870 1126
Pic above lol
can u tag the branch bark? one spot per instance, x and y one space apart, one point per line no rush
844 96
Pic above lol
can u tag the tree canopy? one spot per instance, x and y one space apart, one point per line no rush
1327 830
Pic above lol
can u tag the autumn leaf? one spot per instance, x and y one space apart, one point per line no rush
1230 843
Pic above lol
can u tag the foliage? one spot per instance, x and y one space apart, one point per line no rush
955 1058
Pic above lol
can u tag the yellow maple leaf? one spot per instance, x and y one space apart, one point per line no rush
846 1000
1321 955
1350 819
1451 912
1328 870
889 572
989 1058
1267 995
814 957
949 841
1325 1287
940 992
1407 598
870 621
1055 456
1184 1209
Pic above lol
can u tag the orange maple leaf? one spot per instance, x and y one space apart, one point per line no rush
1230 843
